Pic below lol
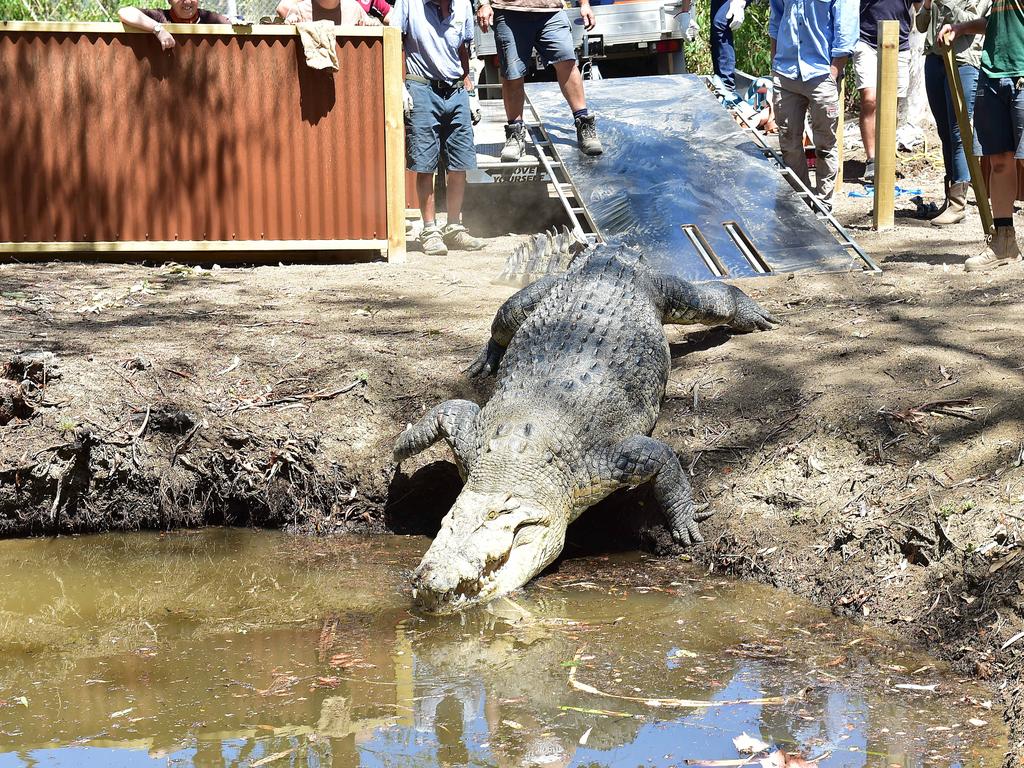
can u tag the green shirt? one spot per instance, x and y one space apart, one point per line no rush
1004 40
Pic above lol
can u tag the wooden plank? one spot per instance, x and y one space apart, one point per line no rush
241 30
394 144
956 90
883 215
192 246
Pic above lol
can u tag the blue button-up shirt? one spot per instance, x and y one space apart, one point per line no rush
808 34
431 42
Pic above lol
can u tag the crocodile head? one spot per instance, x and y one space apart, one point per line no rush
489 545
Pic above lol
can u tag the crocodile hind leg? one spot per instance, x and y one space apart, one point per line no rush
454 421
638 460
712 303
510 316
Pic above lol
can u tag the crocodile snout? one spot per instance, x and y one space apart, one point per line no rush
443 586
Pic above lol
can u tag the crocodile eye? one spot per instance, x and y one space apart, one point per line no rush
492 515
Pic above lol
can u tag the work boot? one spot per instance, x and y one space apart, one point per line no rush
1002 249
515 143
945 203
458 239
586 136
432 241
955 209
869 172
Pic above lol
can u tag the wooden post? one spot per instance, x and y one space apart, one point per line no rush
840 134
956 90
394 144
883 216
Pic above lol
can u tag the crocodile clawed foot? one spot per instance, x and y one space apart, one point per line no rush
684 528
751 316
487 362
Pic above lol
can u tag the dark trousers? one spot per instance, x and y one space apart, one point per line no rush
723 52
941 103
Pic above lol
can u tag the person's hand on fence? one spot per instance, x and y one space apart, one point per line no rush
485 16
587 14
737 10
166 39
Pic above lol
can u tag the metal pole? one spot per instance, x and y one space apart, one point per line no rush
883 215
956 90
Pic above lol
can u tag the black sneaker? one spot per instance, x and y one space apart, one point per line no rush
515 143
586 135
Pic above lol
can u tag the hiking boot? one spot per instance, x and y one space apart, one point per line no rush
955 208
586 136
869 172
515 143
1002 249
458 239
432 241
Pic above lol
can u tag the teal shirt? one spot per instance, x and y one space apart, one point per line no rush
1003 55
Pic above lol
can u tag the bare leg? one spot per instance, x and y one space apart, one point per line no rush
1003 185
425 193
571 82
513 93
456 193
868 104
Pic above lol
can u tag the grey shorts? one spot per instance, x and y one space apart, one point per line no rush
440 118
517 33
999 117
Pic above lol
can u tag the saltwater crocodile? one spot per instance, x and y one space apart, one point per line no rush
582 363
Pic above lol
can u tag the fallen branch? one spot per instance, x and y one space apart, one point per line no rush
308 397
961 409
675 703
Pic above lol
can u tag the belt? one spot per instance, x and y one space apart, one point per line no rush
437 85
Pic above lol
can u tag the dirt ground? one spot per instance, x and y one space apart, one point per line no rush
867 454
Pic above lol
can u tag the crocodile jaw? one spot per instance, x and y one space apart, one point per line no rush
488 546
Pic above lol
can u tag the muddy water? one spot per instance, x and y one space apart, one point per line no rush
236 648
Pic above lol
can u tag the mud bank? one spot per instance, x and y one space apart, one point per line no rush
867 454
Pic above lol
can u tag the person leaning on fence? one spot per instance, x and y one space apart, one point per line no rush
811 41
437 36
933 16
519 27
998 119
152 20
339 11
865 64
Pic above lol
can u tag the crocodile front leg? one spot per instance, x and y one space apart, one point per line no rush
510 316
641 459
712 303
454 421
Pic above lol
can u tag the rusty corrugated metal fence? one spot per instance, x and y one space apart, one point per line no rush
228 141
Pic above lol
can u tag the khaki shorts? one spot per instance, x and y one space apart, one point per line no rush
865 69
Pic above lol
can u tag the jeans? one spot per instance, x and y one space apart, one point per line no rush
723 52
941 102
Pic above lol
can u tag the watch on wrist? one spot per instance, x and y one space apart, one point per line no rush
158 28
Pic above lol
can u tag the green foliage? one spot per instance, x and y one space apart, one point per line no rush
106 10
753 47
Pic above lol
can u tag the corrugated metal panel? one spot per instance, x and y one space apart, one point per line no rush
104 137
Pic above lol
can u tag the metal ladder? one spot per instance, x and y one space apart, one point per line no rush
582 222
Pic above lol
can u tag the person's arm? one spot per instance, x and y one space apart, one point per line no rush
951 32
133 17
587 15
923 17
464 58
846 32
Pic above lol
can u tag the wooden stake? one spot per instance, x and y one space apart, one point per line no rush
394 144
883 216
956 90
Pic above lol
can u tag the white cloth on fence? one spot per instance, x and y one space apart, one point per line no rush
318 43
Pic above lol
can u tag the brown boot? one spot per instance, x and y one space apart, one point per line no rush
955 209
1002 249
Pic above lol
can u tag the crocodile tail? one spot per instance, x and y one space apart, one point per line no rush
548 253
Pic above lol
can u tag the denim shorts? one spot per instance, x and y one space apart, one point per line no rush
999 116
439 120
517 33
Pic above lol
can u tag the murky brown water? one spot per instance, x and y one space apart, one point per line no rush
241 648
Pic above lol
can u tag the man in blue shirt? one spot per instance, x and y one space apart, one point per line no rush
437 35
811 41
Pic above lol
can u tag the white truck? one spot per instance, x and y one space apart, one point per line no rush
632 37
